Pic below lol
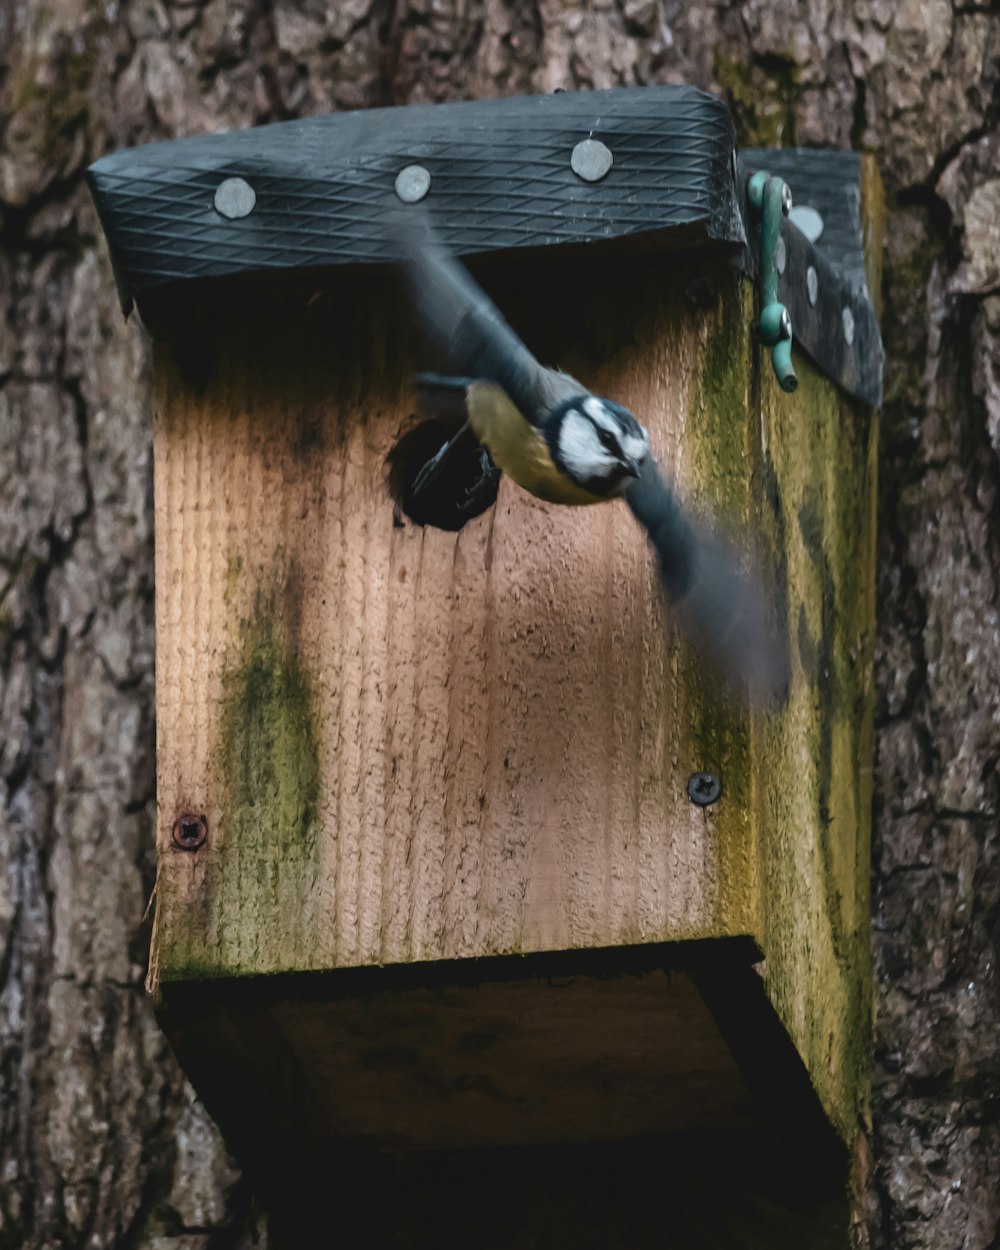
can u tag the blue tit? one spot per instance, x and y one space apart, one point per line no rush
542 427
566 446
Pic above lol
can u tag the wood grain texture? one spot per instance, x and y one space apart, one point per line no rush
814 763
411 744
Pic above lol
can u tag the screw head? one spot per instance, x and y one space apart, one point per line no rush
786 199
235 198
808 221
786 324
704 789
190 832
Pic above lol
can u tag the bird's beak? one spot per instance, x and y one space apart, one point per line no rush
630 467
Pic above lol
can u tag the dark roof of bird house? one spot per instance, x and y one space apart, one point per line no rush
492 175
496 174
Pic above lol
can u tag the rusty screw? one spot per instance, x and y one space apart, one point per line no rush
704 789
190 832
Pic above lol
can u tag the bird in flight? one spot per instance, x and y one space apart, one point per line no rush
567 446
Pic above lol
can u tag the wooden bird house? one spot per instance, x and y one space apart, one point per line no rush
461 844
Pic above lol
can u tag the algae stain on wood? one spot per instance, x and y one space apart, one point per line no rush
798 469
267 752
816 853
721 471
266 762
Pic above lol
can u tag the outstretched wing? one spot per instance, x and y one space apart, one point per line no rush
460 318
721 607
443 397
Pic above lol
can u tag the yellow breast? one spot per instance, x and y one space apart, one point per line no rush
518 448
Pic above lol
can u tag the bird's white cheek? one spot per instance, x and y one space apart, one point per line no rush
580 451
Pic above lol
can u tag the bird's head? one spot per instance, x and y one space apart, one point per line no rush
597 444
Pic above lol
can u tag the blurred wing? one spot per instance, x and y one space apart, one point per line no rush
443 397
457 315
721 607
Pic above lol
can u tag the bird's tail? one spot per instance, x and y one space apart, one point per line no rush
721 606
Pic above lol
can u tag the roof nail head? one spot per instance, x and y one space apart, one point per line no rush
591 160
235 198
412 184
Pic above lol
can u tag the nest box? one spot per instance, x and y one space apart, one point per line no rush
459 843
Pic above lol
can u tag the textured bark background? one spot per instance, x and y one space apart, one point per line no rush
101 1142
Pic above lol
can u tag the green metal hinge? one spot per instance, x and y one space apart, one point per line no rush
770 199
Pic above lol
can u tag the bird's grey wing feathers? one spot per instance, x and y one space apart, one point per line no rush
457 315
719 605
442 396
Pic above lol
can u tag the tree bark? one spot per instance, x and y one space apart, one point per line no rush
101 1141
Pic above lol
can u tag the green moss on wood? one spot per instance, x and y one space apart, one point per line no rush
763 100
266 776
814 761
801 775
720 489
267 751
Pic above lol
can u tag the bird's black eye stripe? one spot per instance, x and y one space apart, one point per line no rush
607 440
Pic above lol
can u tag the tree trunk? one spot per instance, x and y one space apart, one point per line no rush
101 1141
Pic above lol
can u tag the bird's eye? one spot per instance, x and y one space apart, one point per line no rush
608 441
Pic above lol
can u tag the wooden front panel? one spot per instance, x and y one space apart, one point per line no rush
411 744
